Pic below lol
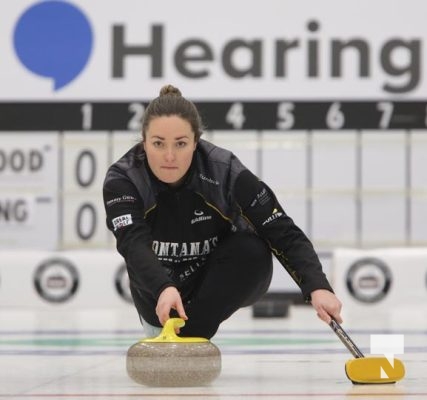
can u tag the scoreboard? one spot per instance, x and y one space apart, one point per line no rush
51 187
351 173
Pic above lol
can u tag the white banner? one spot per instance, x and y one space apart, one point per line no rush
65 280
128 49
378 281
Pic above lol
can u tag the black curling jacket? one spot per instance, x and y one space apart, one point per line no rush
166 234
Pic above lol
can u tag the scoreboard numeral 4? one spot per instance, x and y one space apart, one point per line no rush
235 116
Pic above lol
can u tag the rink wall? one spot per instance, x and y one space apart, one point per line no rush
78 279
377 280
67 279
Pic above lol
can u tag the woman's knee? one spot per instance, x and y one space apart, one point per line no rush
248 247
254 255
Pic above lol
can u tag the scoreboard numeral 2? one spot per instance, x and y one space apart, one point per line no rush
137 111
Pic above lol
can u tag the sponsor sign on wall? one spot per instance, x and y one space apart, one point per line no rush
65 280
57 50
380 280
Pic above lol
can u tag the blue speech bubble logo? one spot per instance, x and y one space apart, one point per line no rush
54 39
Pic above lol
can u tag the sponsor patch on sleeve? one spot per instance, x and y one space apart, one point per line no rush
122 221
122 199
262 198
276 214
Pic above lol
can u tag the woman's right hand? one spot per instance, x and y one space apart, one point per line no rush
169 299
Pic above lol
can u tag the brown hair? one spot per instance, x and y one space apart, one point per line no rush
171 102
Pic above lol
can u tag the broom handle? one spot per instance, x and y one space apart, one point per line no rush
336 327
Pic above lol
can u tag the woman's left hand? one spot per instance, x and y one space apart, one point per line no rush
326 305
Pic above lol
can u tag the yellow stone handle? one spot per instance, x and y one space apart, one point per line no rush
168 335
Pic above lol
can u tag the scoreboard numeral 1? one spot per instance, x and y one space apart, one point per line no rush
87 112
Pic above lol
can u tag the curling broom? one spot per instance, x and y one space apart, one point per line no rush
368 369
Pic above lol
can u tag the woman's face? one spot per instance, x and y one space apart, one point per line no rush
169 144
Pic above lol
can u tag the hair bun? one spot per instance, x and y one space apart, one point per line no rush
169 90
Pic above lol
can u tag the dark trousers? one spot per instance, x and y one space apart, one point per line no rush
236 275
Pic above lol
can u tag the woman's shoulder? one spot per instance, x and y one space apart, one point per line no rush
123 168
213 152
133 158
218 160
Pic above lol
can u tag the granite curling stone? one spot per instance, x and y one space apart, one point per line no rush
170 360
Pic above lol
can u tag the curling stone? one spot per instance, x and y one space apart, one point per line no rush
170 360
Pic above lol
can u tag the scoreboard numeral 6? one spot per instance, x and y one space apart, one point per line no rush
335 118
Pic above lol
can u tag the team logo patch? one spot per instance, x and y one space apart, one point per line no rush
56 280
200 217
122 221
369 280
276 214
